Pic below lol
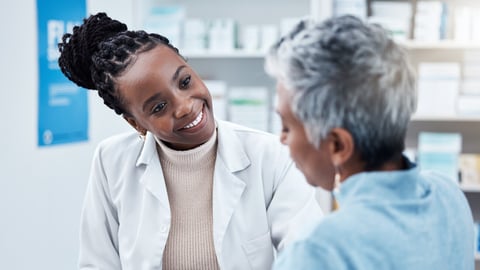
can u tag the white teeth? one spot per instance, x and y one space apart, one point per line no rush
196 121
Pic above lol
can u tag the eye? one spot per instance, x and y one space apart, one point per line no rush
159 107
184 83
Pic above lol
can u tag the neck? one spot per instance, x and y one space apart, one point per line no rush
394 164
356 166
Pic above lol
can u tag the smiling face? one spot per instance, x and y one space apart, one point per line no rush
314 163
166 97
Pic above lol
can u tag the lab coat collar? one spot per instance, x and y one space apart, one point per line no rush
230 149
153 172
230 154
149 150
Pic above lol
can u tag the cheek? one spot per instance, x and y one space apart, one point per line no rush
298 152
307 166
311 163
203 90
161 126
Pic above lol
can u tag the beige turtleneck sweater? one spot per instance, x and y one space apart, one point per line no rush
189 180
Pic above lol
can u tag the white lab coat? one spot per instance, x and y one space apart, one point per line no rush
260 202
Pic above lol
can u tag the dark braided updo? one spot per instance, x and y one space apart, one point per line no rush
99 50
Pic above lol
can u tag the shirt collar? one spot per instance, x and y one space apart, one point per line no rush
381 185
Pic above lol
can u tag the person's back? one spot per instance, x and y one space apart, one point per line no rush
399 220
346 93
452 242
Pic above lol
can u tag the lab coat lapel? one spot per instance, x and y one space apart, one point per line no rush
152 178
227 186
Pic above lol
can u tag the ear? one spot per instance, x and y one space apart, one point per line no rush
341 147
135 124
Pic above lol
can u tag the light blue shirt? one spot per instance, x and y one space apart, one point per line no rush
390 220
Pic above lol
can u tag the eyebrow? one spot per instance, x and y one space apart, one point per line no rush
177 72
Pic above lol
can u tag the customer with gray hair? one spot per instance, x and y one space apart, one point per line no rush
346 93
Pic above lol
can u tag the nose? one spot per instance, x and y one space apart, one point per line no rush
184 106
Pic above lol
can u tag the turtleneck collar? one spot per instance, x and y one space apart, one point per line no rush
198 157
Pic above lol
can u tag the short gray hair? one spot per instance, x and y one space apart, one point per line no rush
349 74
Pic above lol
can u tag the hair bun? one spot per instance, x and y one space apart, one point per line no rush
77 48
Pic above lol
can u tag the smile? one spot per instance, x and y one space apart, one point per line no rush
195 122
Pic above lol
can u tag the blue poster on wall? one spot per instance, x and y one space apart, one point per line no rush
62 105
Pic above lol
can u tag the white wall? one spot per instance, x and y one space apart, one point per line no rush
41 189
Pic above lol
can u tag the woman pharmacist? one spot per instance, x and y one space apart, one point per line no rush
192 192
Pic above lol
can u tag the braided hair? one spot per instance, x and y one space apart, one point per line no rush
99 50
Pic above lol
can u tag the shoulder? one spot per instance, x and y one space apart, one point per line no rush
335 224
246 132
119 145
440 183
125 139
447 192
318 250
249 137
260 147
341 232
335 243
260 152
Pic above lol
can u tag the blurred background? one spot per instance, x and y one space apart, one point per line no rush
43 175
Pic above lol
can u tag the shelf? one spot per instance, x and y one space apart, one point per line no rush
412 45
233 54
435 45
453 118
470 188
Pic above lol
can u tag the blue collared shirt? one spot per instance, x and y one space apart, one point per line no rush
403 219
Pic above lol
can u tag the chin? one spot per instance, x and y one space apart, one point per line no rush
317 182
312 181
